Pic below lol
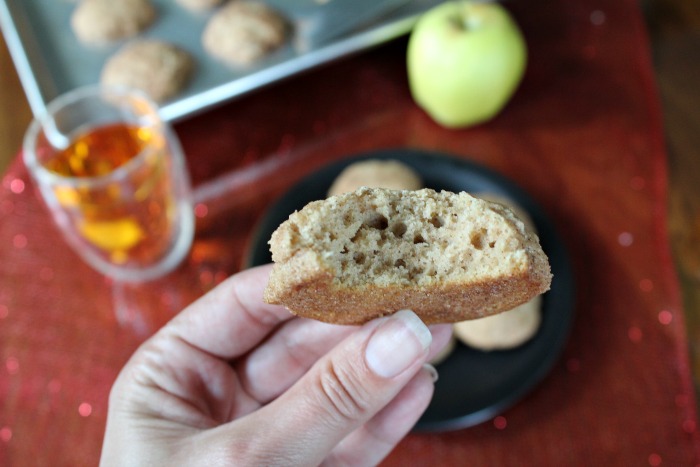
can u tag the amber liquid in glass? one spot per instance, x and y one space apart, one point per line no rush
128 219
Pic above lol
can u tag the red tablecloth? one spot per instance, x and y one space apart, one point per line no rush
583 136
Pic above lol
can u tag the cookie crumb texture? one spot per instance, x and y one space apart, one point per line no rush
449 257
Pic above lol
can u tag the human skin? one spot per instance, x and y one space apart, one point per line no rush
232 380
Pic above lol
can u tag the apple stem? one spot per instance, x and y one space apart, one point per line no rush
459 23
465 20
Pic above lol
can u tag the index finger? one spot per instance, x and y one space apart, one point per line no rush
231 319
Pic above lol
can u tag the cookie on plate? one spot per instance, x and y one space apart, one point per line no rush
449 257
503 331
376 173
242 32
445 352
158 68
98 22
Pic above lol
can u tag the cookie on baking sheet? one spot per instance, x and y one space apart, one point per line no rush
376 173
241 32
158 68
97 22
199 5
502 331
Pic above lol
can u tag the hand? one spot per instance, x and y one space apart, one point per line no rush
232 380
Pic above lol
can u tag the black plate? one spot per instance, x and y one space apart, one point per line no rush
474 386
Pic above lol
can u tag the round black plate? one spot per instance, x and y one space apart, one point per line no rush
474 386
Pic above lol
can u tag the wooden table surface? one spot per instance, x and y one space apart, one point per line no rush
674 27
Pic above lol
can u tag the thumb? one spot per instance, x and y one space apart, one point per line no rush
347 388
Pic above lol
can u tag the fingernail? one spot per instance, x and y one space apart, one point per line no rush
432 371
397 343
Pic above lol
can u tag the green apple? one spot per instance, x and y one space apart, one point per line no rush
465 60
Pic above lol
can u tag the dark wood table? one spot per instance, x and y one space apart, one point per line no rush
674 27
583 136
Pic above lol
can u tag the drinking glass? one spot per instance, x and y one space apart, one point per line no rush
113 176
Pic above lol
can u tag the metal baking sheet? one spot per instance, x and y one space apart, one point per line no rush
50 60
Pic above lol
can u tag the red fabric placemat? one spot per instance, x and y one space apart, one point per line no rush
582 136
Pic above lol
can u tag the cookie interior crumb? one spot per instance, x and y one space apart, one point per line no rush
448 257
426 239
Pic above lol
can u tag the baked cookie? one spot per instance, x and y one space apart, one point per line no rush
199 5
448 257
241 32
506 330
376 173
515 207
97 22
511 328
158 68
445 352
